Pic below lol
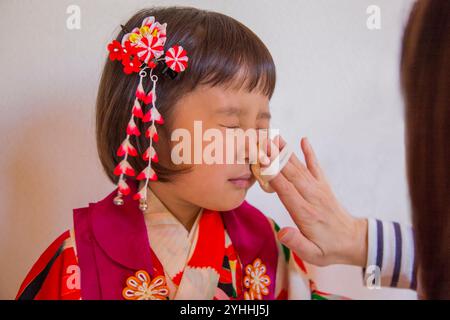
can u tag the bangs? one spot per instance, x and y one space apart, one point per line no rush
222 51
234 56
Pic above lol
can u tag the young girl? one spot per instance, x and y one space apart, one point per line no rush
174 231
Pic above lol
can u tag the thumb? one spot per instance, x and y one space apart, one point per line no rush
292 238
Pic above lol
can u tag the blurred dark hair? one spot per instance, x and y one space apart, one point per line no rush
425 75
221 51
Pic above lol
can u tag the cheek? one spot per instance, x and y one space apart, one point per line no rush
207 186
212 177
202 179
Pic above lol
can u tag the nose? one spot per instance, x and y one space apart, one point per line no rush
253 145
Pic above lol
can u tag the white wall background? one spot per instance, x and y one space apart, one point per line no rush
337 84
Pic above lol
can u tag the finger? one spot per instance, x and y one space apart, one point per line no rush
272 167
292 200
283 187
273 150
279 141
262 154
277 144
280 153
263 158
311 160
300 178
298 164
294 159
293 238
266 152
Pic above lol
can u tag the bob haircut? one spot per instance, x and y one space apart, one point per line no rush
221 51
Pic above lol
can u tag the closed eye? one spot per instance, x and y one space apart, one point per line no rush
229 127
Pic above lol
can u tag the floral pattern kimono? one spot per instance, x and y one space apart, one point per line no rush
202 263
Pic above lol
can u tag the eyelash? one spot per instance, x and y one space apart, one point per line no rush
230 127
237 127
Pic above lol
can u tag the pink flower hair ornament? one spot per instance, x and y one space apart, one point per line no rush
141 50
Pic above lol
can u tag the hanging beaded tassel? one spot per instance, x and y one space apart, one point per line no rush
140 50
149 155
126 148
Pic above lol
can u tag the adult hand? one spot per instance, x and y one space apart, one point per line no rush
327 233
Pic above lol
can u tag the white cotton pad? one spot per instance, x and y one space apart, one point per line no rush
264 175
277 164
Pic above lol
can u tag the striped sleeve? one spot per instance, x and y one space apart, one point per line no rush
390 256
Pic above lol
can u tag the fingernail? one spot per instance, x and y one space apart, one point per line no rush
264 159
286 236
309 147
307 143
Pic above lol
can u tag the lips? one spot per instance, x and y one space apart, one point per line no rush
242 181
245 176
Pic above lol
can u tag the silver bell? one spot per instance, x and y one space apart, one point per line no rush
118 201
143 205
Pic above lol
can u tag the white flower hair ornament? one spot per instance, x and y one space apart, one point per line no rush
140 51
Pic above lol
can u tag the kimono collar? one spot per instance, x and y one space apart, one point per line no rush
256 241
169 238
158 214
121 232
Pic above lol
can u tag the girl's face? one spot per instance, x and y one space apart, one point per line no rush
215 186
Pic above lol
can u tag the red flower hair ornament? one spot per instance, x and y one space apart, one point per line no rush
140 51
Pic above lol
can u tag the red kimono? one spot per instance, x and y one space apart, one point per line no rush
119 253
